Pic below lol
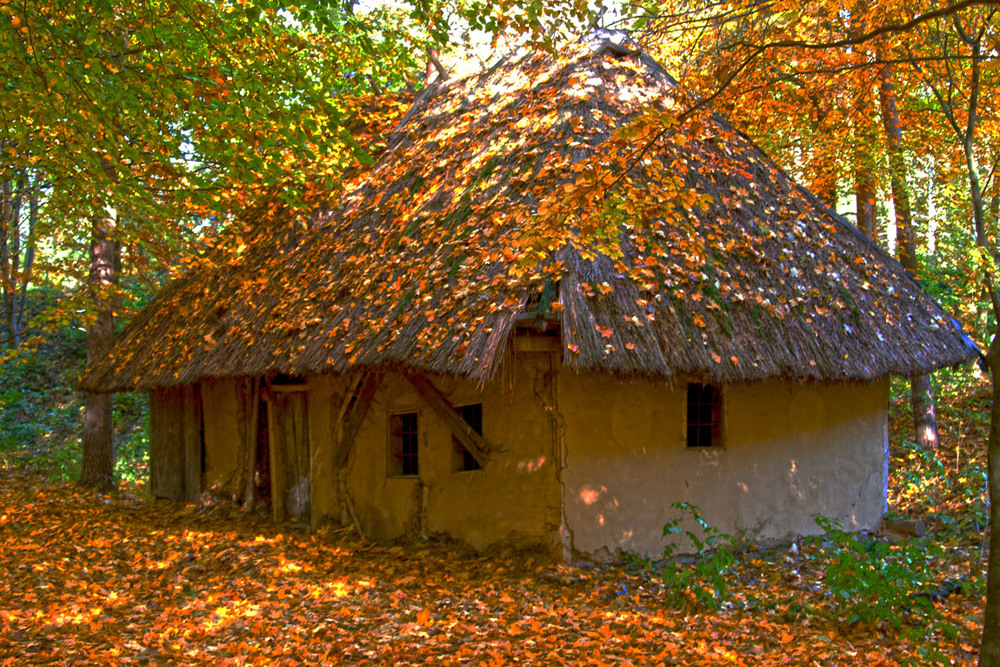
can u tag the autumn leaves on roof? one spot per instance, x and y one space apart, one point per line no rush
562 194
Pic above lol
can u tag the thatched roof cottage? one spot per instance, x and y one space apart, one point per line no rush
546 313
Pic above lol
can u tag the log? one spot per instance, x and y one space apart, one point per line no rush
913 527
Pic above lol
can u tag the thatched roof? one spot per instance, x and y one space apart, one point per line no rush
559 193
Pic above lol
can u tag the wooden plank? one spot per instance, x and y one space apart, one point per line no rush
175 443
294 407
289 388
192 434
278 512
250 490
160 484
477 445
289 447
166 453
353 416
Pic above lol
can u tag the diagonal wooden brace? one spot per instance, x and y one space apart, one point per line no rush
353 415
477 445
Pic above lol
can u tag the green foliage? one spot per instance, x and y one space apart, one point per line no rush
709 578
872 579
131 418
41 412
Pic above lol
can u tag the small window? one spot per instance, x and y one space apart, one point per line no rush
462 458
704 415
404 439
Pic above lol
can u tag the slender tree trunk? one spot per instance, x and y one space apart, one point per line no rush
932 222
10 245
989 653
28 263
17 250
925 431
98 448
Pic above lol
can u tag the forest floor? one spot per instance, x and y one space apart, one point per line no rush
124 579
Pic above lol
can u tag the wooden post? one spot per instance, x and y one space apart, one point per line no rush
250 490
278 511
192 443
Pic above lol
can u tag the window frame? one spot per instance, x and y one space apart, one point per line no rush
710 433
395 451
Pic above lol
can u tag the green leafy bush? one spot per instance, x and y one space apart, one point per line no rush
873 579
709 578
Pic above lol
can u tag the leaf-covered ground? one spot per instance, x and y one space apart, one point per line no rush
123 579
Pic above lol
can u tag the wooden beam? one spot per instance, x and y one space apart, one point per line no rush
288 388
537 344
477 445
353 415
354 381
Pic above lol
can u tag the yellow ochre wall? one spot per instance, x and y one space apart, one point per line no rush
791 450
515 499
587 465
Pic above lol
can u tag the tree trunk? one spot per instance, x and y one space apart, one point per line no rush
10 248
989 653
17 250
925 431
932 222
864 192
28 263
98 449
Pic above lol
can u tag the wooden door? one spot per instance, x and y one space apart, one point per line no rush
289 453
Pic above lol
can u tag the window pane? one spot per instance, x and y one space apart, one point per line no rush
704 415
404 441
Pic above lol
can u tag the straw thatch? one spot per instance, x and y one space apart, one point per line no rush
557 193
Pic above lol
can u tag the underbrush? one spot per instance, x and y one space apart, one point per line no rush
41 412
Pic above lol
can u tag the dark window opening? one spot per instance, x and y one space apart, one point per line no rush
704 415
284 380
462 458
404 439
